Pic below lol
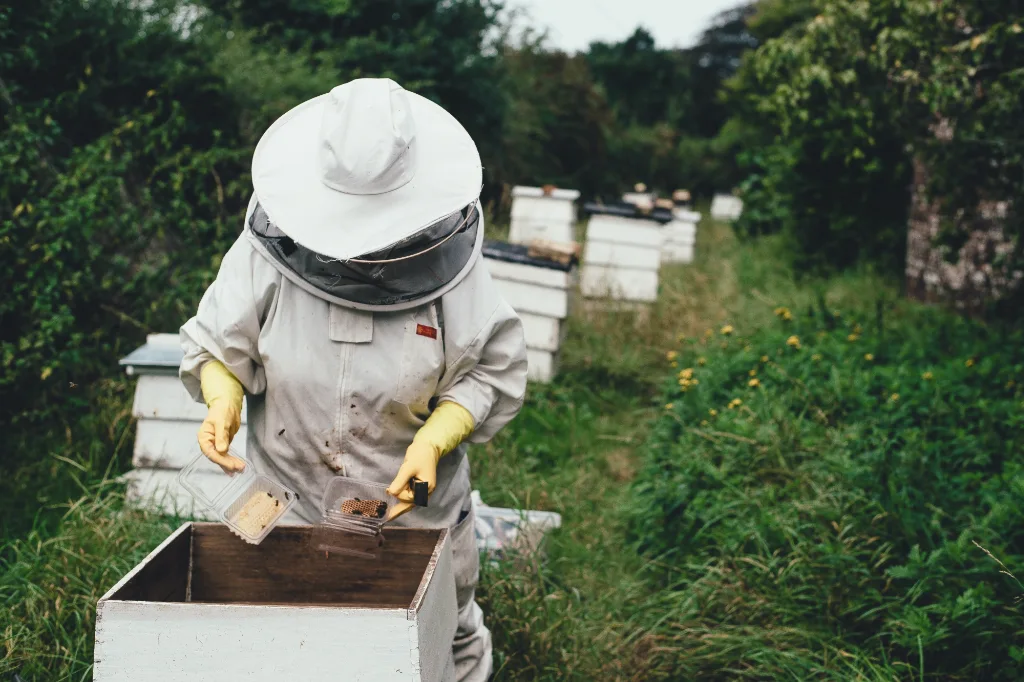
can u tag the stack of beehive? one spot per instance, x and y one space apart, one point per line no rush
167 423
538 289
726 207
545 213
622 254
680 236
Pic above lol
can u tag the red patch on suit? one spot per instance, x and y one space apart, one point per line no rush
424 330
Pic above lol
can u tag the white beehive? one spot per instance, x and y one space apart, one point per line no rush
539 215
621 259
206 607
539 291
680 237
726 207
167 423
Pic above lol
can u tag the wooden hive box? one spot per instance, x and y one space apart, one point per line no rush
680 237
726 207
536 215
207 607
539 290
167 421
621 258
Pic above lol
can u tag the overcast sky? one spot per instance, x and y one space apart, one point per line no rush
573 24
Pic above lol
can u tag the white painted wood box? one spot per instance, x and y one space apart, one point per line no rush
621 258
539 290
680 237
207 607
726 207
539 215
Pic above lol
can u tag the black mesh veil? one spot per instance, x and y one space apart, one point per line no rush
408 270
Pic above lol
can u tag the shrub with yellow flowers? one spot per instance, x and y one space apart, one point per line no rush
863 465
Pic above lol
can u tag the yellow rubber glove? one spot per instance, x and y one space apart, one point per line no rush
448 425
223 394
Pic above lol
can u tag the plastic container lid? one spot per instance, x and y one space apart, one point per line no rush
353 514
249 503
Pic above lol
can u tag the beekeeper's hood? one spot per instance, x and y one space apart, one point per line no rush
368 196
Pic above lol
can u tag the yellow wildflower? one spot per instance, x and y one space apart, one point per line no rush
752 372
734 403
969 363
694 382
150 93
793 342
713 412
681 338
674 364
668 406
869 357
702 361
708 333
895 397
703 422
754 383
784 313
671 355
816 358
726 330
856 329
927 376
686 373
764 358
852 337
746 349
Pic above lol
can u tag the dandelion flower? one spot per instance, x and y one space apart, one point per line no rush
713 412
702 361
674 364
726 330
764 358
969 363
686 373
869 357
681 338
734 403
746 349
703 422
752 372
671 355
927 376
787 316
895 397
816 358
793 342
852 337
754 383
668 406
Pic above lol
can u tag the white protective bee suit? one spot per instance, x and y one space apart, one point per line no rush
340 389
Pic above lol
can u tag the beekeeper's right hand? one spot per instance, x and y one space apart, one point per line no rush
223 394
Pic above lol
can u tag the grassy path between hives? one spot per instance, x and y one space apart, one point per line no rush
592 610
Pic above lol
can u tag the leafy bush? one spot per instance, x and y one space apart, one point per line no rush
832 477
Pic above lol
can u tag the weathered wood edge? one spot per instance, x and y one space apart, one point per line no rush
187 526
428 574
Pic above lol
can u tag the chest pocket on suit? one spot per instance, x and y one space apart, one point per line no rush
422 358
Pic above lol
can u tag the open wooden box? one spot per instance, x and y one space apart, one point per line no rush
205 606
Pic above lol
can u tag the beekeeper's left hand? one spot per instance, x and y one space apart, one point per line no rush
448 425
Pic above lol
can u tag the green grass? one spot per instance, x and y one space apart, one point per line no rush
608 601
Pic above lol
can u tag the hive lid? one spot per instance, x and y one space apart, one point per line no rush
520 253
161 354
624 210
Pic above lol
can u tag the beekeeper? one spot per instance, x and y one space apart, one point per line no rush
356 315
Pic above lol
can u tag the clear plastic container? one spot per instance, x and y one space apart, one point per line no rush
237 499
353 514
